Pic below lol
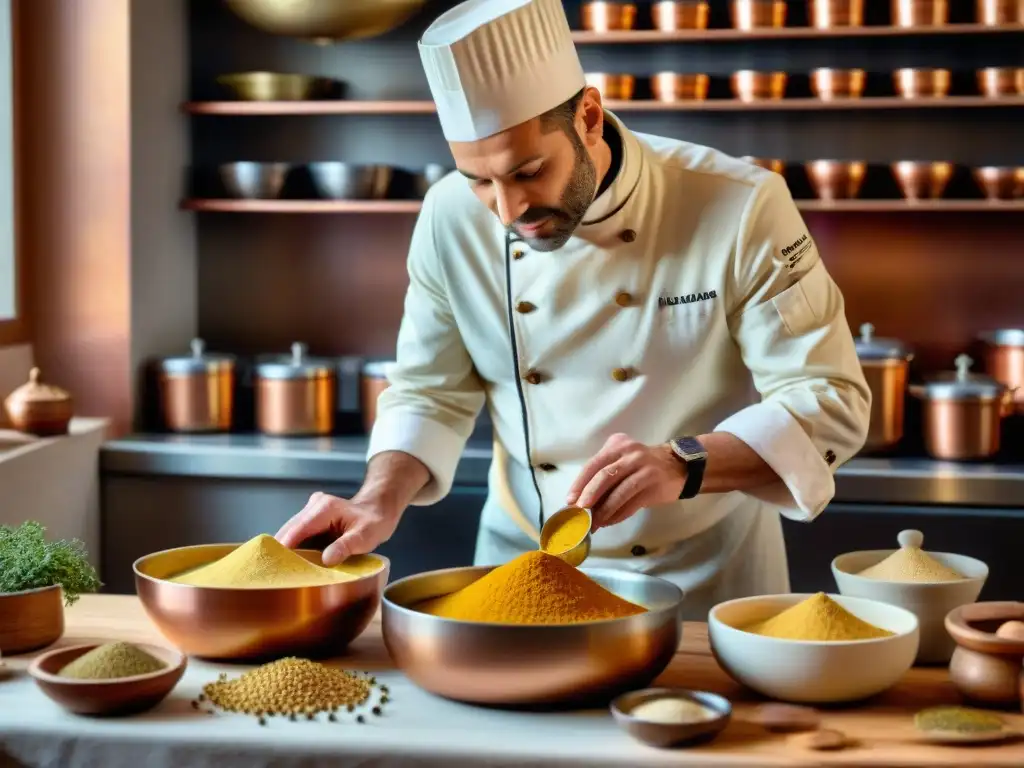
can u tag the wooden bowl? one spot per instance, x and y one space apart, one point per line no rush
836 179
828 84
922 181
672 86
914 83
120 696
673 15
31 620
986 668
600 16
910 14
612 87
748 85
1001 81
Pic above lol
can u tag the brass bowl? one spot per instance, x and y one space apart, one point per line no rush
326 21
768 163
276 86
830 14
836 179
601 16
748 85
921 83
523 665
1001 81
1000 182
996 13
673 15
920 13
249 180
253 624
613 87
748 15
922 181
828 84
672 86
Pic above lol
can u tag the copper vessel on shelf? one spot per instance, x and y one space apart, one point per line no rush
995 13
672 86
748 15
1001 81
828 84
830 14
40 409
197 390
920 180
600 16
1002 355
296 394
276 86
372 381
886 366
916 83
920 13
1000 182
748 85
612 87
836 179
675 15
326 22
768 163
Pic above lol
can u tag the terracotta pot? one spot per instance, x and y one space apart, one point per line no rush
296 394
197 391
39 409
886 365
31 620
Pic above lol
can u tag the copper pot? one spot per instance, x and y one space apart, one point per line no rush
1003 358
758 14
39 409
768 163
922 181
1000 182
670 86
373 381
836 179
197 391
828 84
995 13
612 87
963 413
886 366
1001 81
914 83
748 85
608 17
673 15
296 394
829 14
920 13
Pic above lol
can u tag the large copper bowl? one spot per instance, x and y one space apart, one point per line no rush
995 82
1000 182
828 84
253 624
326 20
836 179
612 86
748 85
914 83
679 86
922 181
522 665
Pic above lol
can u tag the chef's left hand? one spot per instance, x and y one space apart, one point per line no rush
626 476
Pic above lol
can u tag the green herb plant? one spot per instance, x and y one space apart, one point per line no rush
28 561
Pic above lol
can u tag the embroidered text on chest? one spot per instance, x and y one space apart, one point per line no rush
689 298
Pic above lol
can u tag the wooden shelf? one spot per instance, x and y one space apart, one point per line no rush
648 36
341 107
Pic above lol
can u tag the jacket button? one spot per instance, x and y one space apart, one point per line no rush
547 467
525 307
623 299
830 457
532 377
638 551
518 255
628 235
621 374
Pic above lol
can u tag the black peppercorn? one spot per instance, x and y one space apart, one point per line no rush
384 689
384 699
263 721
376 711
360 719
332 718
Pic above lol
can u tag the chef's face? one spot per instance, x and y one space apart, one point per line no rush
539 177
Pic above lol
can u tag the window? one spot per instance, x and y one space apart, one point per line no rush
10 311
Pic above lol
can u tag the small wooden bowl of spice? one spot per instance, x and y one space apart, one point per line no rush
667 717
109 679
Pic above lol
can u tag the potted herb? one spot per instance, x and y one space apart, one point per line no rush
38 578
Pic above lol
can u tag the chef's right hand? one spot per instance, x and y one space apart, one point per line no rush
357 527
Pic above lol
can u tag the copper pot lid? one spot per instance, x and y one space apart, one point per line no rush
377 369
1004 337
200 361
297 365
961 384
35 391
871 348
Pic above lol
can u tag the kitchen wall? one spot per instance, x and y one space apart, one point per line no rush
15 363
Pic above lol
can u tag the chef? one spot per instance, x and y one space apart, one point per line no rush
648 322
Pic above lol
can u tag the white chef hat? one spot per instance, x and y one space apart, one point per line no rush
493 64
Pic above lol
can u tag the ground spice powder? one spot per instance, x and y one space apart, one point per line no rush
534 588
568 534
819 617
111 661
910 564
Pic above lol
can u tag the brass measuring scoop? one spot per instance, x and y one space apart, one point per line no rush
576 553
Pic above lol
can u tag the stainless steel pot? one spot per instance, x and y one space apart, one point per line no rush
1003 359
886 365
963 413
373 381
197 391
296 394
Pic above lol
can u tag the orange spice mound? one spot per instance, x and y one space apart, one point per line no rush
534 588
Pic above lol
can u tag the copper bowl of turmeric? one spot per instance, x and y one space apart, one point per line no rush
258 600
532 632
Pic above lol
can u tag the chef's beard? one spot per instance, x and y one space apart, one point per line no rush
576 197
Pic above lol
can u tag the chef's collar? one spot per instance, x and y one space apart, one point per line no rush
615 196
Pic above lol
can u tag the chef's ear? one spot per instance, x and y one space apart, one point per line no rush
590 117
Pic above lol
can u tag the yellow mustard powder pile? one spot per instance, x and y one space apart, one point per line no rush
534 588
910 564
819 617
111 661
568 534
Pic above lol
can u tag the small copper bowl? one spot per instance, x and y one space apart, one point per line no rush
612 87
608 17
920 13
921 83
995 13
672 86
768 163
748 85
922 181
829 14
1000 182
758 14
673 15
828 84
836 179
1001 81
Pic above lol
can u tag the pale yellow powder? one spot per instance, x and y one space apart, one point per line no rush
910 564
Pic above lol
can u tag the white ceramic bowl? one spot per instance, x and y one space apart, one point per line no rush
929 601
809 671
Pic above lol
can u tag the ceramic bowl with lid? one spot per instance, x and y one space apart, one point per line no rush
1002 355
886 366
197 390
39 409
296 394
963 413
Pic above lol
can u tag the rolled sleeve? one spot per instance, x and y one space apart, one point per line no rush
788 317
435 394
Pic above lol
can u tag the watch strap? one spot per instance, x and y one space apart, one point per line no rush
694 478
691 452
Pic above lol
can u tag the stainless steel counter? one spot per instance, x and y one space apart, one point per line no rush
898 481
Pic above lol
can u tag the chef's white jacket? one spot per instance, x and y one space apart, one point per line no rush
691 300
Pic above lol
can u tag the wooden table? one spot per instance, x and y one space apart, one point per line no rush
424 729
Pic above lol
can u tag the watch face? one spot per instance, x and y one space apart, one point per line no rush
689 447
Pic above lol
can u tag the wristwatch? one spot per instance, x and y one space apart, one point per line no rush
691 452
